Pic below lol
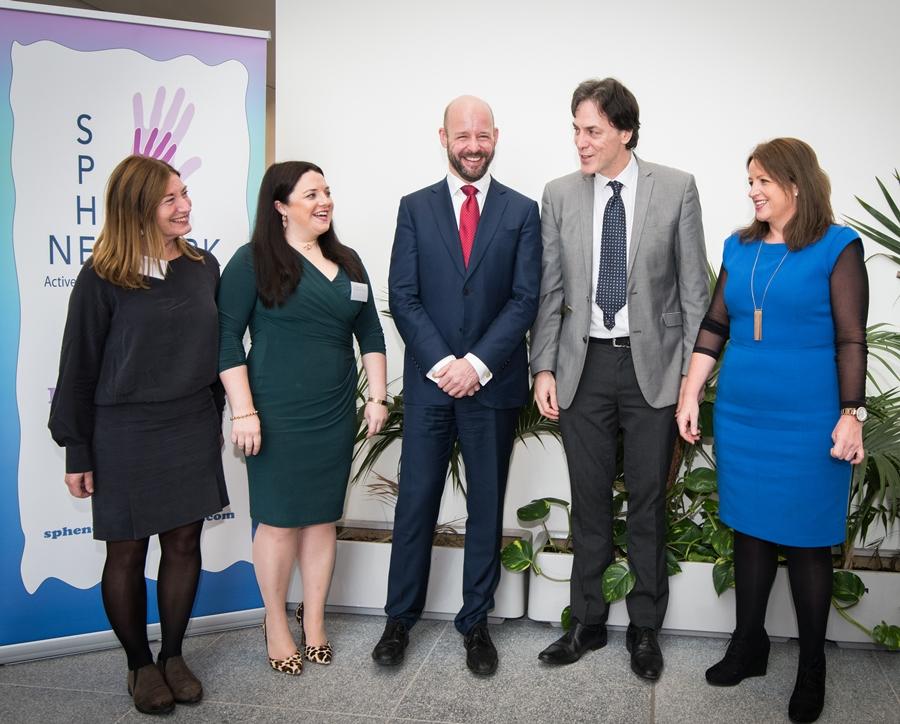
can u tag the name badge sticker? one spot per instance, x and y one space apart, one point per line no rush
359 292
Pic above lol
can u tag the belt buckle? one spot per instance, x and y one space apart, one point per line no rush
623 345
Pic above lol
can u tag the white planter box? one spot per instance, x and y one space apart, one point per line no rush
361 572
695 608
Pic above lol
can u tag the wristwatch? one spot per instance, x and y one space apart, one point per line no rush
860 413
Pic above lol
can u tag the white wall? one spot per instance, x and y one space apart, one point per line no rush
361 88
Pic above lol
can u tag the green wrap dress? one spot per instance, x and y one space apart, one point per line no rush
303 377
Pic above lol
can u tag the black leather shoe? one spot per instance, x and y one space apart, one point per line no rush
574 644
481 656
808 698
744 657
646 658
390 648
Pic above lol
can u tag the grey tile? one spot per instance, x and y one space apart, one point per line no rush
235 670
682 694
321 717
99 671
27 704
889 661
857 688
211 712
434 686
599 688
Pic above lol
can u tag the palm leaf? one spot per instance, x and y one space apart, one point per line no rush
887 195
531 423
874 234
891 239
883 219
875 485
884 345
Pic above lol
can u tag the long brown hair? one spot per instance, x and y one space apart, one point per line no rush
791 162
278 270
133 194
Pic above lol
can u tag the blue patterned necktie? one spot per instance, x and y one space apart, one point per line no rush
611 274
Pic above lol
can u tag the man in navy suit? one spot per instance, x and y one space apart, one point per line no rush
464 283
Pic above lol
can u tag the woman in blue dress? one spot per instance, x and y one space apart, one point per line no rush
791 301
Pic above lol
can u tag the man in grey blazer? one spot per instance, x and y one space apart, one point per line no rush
623 290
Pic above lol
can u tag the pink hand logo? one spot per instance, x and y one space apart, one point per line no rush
161 140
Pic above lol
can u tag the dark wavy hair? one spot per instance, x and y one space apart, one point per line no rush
615 101
791 162
278 270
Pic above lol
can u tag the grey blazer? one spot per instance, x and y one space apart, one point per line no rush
668 290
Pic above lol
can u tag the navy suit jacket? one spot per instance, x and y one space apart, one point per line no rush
442 308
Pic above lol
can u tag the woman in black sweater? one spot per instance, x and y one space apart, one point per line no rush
138 409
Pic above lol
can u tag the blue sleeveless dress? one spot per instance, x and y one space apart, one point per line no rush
777 401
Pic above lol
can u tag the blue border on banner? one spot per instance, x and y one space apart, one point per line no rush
57 609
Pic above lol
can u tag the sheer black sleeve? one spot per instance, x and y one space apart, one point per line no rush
849 310
716 326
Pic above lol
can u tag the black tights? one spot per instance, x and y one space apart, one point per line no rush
809 571
125 592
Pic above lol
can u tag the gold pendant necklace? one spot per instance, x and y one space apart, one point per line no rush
758 311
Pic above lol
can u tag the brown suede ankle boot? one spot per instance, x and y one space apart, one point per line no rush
186 688
150 692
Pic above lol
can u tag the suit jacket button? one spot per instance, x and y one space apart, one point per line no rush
584 339
465 292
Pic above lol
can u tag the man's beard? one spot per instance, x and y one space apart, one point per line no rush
457 164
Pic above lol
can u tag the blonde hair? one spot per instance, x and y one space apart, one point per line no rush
133 194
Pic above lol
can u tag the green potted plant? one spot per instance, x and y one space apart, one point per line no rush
699 544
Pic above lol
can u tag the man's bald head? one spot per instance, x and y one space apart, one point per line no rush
465 105
469 136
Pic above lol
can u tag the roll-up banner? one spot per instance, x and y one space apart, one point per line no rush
79 91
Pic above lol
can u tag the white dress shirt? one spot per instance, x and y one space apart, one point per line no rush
457 196
602 194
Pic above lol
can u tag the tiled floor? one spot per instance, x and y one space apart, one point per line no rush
434 685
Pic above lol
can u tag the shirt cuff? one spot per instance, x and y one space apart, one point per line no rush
438 366
484 374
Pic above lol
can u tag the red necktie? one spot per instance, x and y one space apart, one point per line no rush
468 222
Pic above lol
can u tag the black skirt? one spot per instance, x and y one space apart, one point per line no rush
157 466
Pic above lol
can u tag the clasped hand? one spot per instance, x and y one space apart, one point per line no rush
458 378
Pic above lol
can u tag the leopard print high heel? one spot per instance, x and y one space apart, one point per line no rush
323 654
292 665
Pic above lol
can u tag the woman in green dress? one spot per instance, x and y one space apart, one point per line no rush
304 297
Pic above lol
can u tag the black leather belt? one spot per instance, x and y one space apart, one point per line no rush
612 341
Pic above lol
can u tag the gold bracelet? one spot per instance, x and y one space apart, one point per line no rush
241 417
377 402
